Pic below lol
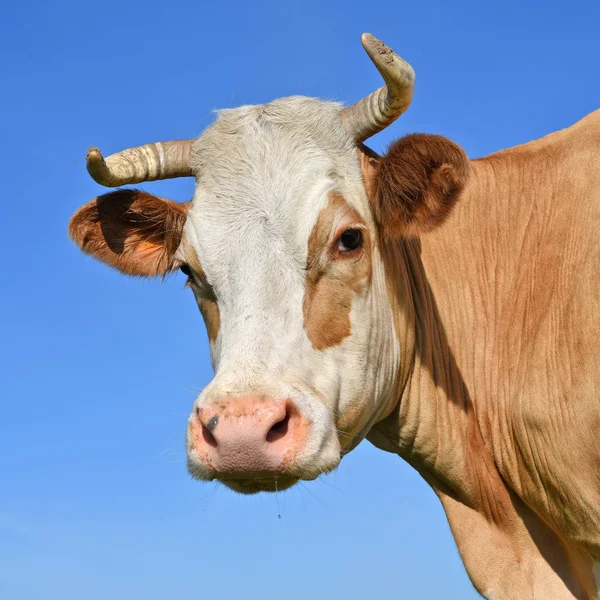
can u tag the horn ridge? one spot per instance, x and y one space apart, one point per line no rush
160 160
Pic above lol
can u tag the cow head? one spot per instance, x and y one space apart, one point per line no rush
283 247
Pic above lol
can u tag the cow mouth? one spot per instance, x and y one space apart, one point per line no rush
254 486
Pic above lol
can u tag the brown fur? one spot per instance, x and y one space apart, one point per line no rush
206 300
332 279
416 184
130 230
212 316
500 412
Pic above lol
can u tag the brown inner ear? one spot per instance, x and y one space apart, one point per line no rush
413 188
130 230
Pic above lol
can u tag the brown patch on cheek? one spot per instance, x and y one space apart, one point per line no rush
207 303
326 310
332 281
211 316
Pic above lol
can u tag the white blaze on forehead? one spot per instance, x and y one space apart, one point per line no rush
266 157
263 174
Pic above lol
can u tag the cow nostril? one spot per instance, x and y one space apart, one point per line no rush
207 429
280 429
209 438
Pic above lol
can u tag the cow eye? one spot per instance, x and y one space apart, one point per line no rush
350 240
185 270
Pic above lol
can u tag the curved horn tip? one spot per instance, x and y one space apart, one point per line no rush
367 39
387 62
96 166
94 156
374 47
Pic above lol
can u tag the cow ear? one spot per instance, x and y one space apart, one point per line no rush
414 186
130 230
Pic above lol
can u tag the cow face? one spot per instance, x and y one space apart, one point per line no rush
282 255
284 245
283 259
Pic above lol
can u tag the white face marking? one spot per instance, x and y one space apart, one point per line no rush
264 173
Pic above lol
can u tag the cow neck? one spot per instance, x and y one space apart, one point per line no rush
450 422
435 425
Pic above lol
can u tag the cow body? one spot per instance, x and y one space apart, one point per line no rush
501 411
445 309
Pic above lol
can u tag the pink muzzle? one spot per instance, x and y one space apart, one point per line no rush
248 436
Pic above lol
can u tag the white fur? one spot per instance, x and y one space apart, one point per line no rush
263 175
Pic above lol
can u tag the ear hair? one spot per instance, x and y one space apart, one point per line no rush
417 183
130 230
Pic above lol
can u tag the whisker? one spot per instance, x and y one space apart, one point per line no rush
322 479
317 499
212 492
299 488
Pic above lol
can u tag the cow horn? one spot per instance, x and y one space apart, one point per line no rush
162 160
375 112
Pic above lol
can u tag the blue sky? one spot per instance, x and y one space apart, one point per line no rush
98 372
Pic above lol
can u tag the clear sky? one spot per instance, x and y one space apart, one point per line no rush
98 372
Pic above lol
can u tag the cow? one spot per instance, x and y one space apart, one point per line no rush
445 309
